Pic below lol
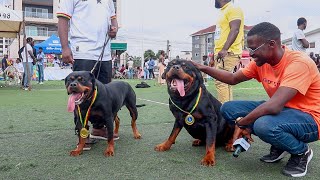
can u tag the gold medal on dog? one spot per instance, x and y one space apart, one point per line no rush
84 133
189 119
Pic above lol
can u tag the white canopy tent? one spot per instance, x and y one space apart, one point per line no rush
10 22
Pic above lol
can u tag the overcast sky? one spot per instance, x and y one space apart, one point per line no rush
148 24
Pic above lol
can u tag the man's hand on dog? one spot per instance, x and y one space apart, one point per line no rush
67 55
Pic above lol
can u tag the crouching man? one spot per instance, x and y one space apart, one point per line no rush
290 119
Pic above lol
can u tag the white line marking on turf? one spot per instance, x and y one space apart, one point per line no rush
153 101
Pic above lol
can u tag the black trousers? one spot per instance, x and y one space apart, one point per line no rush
103 76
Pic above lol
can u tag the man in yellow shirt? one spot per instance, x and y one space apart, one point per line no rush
228 40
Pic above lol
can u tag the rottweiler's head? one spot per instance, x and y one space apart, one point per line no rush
182 78
80 86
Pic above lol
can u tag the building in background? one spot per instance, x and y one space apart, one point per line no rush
202 42
314 40
41 22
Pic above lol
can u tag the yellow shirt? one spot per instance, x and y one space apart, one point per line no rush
228 14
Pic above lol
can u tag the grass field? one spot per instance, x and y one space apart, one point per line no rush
37 133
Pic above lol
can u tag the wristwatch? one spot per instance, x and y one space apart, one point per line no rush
240 126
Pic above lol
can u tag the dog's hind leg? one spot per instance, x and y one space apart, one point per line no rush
117 125
134 115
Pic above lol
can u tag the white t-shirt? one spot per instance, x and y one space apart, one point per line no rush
89 24
166 62
29 48
146 65
130 64
296 43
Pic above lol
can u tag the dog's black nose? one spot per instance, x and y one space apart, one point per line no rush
176 67
73 84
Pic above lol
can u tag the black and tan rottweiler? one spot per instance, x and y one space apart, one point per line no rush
195 109
101 103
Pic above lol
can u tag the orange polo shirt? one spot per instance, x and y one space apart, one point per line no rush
295 70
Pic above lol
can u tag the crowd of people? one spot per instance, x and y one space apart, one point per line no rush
152 68
37 62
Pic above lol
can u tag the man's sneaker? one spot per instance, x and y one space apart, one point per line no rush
101 134
298 164
274 156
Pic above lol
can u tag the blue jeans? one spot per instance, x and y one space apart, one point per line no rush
290 130
26 82
130 73
146 74
40 72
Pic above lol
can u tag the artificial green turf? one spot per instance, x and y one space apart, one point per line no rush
37 133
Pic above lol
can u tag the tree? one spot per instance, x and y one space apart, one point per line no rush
149 54
136 61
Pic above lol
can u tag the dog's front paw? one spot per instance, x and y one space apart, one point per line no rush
162 147
75 152
137 135
109 152
208 160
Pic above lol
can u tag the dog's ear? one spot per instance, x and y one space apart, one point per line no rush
66 83
66 80
93 80
197 72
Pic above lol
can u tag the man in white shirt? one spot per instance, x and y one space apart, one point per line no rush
130 68
92 22
31 60
299 42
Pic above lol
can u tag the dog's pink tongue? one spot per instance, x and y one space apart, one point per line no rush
180 86
71 101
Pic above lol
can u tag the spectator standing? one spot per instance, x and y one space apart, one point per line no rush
146 69
161 66
228 40
166 60
206 63
130 68
4 64
40 62
31 61
151 68
299 42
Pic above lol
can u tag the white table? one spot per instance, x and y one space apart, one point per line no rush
55 73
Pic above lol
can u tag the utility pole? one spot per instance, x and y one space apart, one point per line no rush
168 49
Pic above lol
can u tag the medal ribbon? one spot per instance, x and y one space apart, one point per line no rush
194 107
85 121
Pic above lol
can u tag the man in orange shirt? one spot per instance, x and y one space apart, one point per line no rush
290 118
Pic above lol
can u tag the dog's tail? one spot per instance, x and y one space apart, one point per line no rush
140 105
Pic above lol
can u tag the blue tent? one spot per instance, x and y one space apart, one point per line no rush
50 46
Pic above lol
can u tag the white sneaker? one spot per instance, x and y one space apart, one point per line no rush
26 89
41 83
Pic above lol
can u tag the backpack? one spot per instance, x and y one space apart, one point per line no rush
20 52
142 85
